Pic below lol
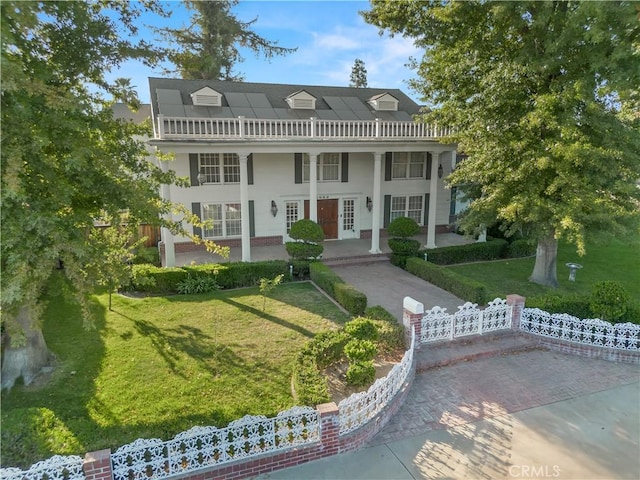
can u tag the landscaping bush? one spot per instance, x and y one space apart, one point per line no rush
149 255
576 305
472 252
304 250
308 235
309 384
358 350
197 284
521 248
353 300
326 348
632 314
609 300
378 312
361 373
300 268
156 280
403 227
362 329
461 286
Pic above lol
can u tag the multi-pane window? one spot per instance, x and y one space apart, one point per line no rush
349 214
210 165
327 168
223 220
408 165
292 212
410 206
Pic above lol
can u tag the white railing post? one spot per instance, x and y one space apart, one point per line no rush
377 128
313 127
160 126
452 334
480 322
241 126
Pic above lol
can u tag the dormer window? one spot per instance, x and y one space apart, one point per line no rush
384 102
206 97
301 100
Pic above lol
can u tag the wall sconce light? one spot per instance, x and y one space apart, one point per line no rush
369 204
440 171
201 177
274 208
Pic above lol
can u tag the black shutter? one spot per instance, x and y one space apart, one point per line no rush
250 169
429 163
252 220
426 209
193 169
297 167
387 211
388 164
345 167
195 209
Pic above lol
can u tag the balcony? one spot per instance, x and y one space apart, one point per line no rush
241 128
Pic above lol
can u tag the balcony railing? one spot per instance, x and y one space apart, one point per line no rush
241 128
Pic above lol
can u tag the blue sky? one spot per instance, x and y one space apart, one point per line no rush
329 36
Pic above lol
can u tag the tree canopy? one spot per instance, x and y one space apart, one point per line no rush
545 101
358 77
66 161
209 47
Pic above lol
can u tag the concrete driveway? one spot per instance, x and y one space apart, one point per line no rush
387 285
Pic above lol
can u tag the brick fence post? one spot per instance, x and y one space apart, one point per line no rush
517 304
329 428
412 313
97 465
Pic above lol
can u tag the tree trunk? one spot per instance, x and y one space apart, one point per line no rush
544 271
27 360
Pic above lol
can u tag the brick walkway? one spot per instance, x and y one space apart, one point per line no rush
488 387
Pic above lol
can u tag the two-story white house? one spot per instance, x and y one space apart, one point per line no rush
262 156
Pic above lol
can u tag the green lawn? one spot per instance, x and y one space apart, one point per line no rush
617 260
156 366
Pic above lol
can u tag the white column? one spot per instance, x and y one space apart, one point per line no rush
377 202
165 234
244 209
433 200
313 186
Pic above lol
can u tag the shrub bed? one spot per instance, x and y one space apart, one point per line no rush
461 286
353 300
157 280
522 247
472 252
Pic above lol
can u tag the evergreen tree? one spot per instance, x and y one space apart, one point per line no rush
209 47
358 75
544 98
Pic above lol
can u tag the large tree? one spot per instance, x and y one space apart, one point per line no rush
66 161
544 98
208 48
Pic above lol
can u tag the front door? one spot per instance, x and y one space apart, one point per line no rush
327 216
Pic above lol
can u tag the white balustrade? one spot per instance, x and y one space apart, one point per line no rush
283 129
361 407
54 468
202 447
594 332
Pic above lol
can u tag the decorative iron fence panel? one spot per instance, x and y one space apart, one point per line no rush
361 407
54 468
202 447
595 332
497 316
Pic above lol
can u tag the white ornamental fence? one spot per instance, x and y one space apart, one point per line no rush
592 332
54 468
361 407
438 325
203 447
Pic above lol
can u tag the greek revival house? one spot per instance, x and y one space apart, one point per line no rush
261 156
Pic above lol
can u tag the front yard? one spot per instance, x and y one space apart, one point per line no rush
156 366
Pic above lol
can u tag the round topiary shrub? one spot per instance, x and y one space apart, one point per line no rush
360 350
362 329
303 250
307 231
403 227
361 373
609 300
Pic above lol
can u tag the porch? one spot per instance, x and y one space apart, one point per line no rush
338 251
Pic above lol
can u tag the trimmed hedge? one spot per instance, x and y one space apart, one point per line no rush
157 280
522 247
353 300
461 286
472 252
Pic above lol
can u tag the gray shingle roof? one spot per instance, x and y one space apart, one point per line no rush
171 97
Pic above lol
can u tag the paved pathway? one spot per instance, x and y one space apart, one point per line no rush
533 414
